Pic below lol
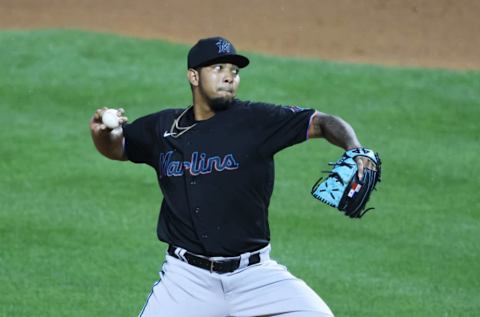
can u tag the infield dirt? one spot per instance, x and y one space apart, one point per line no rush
428 33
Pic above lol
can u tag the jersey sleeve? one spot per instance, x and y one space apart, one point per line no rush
140 138
280 126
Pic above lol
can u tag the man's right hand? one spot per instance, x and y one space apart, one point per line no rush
96 124
107 141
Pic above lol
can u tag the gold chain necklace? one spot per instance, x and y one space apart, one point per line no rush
176 125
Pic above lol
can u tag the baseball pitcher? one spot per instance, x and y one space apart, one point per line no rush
214 161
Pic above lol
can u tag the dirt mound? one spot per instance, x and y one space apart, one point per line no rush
432 33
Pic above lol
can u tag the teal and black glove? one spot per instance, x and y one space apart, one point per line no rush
343 189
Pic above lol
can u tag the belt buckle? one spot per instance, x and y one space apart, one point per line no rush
211 266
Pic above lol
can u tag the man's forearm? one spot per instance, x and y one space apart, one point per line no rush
334 129
109 144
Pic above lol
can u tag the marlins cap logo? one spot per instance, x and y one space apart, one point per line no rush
223 46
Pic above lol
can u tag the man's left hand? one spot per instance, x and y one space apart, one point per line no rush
362 163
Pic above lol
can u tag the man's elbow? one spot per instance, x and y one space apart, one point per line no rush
316 127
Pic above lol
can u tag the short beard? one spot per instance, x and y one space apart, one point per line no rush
220 104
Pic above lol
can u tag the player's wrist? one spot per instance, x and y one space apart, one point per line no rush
353 146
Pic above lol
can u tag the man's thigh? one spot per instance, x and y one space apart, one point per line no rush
270 290
185 291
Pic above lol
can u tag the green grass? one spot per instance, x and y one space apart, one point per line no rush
77 231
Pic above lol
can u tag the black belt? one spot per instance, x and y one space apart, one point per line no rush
224 266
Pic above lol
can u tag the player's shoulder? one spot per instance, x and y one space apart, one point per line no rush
161 115
252 106
165 113
266 107
249 104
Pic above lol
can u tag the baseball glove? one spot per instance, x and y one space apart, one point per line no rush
343 189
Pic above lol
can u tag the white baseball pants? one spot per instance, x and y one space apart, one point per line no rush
263 289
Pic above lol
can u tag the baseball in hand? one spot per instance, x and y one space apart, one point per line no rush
110 118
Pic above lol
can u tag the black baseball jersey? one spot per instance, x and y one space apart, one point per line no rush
216 178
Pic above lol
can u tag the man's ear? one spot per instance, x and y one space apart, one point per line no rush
193 77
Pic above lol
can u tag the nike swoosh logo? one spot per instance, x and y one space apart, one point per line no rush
166 134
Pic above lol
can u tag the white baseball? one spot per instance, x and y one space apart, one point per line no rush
110 119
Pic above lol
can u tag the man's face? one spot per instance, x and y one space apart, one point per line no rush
218 84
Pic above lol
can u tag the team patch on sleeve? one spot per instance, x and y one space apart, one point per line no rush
294 108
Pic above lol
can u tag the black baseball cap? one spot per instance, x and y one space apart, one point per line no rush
215 50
